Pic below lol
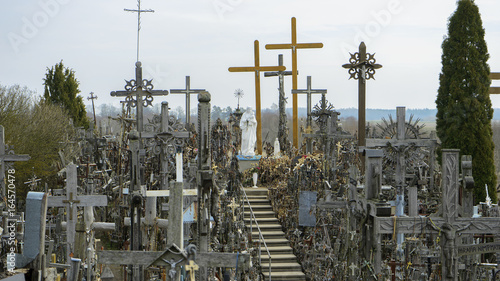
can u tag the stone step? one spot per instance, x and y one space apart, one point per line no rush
256 191
257 197
285 276
258 201
266 227
278 258
281 267
268 234
262 221
257 208
276 250
260 214
274 242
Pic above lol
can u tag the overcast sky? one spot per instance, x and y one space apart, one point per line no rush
202 38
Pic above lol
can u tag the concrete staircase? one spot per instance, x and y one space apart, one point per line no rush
284 265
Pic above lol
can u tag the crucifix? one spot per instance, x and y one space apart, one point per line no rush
72 201
294 46
7 155
139 11
257 69
449 225
143 92
188 92
282 128
362 67
309 91
494 76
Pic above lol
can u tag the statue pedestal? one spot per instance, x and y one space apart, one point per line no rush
247 162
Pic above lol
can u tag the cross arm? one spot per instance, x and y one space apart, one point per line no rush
258 68
495 75
315 91
309 45
133 93
85 201
384 142
15 158
190 91
495 90
278 46
277 73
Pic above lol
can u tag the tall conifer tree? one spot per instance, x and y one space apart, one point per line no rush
61 88
464 110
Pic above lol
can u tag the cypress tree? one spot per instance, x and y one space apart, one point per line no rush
464 110
61 88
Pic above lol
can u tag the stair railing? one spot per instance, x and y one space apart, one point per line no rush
261 237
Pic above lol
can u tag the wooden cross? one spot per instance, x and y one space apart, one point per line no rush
7 156
92 98
294 46
362 67
257 69
494 76
191 267
143 92
188 92
71 201
309 91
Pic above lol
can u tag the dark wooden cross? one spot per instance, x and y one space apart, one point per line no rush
309 92
6 156
282 128
362 67
257 69
188 92
92 98
143 92
294 46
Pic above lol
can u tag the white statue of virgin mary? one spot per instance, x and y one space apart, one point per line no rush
248 125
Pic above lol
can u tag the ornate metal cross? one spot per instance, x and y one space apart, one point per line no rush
139 11
143 92
257 69
362 67
188 92
294 46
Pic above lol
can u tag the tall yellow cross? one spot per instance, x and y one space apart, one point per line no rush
257 69
294 46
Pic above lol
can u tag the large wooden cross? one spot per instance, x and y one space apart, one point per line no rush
309 92
294 46
7 156
143 92
449 224
188 92
71 201
257 69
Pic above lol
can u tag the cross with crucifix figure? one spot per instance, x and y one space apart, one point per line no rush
6 156
71 202
400 143
282 128
294 46
257 69
362 67
143 91
309 92
449 224
188 92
